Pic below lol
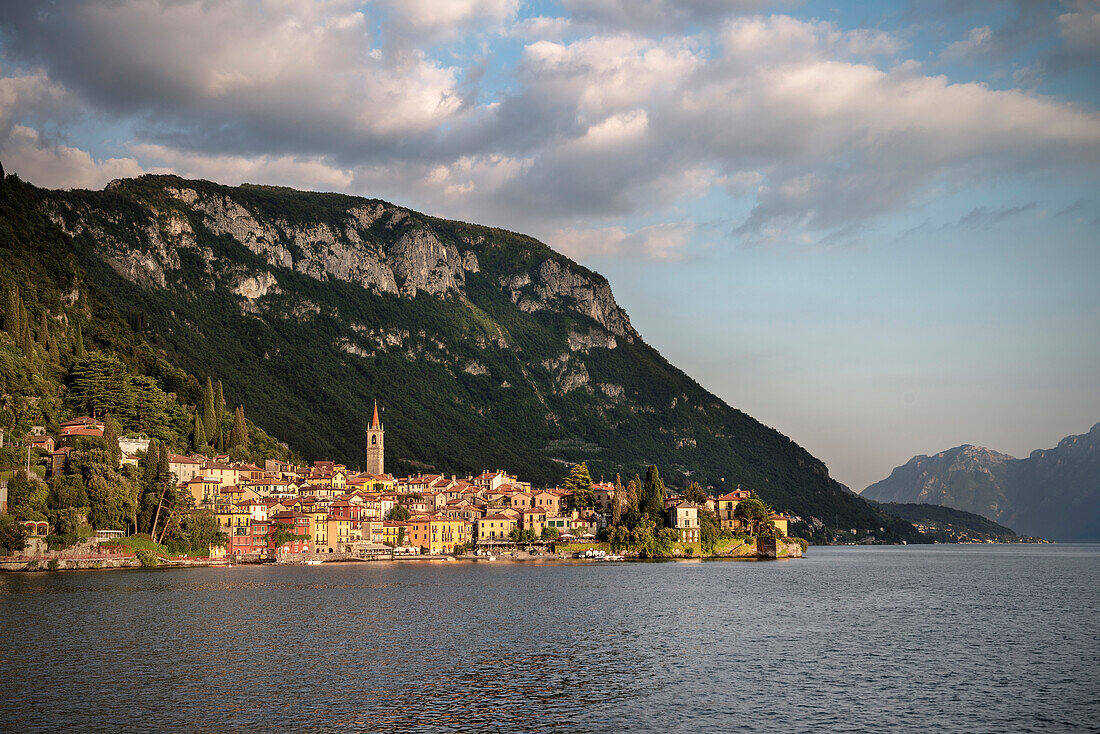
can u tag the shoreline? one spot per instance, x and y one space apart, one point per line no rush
113 561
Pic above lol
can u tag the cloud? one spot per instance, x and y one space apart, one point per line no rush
819 130
660 16
412 21
57 166
982 217
252 77
976 41
660 242
304 172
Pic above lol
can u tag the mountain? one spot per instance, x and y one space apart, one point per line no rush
948 525
65 350
486 348
1053 493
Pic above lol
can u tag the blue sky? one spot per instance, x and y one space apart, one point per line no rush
873 226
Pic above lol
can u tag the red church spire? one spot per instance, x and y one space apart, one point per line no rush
374 423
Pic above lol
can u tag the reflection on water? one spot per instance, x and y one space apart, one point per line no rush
848 639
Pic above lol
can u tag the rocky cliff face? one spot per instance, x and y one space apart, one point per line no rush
487 348
1054 493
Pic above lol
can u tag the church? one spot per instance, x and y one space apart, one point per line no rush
376 441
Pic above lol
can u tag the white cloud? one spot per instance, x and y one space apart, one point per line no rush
57 166
977 40
447 19
300 171
1081 29
661 242
821 126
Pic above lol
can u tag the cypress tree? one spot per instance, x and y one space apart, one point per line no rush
11 314
110 437
149 465
199 436
239 435
618 501
44 333
27 339
653 494
78 343
208 419
219 403
55 357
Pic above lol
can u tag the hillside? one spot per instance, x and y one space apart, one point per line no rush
1053 493
486 348
948 525
65 350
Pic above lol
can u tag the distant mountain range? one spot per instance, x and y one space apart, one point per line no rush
1053 493
487 348
948 525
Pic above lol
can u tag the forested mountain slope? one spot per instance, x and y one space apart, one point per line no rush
486 348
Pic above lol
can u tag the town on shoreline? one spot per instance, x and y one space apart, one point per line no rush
239 512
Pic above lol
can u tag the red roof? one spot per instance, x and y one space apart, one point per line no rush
374 423
81 431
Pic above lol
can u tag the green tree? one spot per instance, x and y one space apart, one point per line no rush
209 420
219 403
653 496
753 513
110 439
100 384
521 536
695 494
13 313
13 536
44 333
239 435
78 343
618 501
27 498
619 537
579 483
400 513
67 521
633 512
201 531
198 436
281 534
401 536
710 530
549 533
67 490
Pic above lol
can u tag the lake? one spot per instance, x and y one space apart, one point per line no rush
940 638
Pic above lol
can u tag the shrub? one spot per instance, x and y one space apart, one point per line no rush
148 559
61 542
53 564
13 536
802 542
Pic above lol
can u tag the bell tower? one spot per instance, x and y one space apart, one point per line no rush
376 452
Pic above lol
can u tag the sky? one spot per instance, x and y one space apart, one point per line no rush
874 227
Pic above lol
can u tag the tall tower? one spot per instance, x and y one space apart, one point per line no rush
376 442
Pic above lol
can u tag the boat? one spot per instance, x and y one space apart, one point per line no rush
313 561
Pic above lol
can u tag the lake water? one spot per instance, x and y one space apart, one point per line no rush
943 638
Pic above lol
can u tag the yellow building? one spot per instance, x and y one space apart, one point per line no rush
494 527
781 522
437 534
727 503
392 535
